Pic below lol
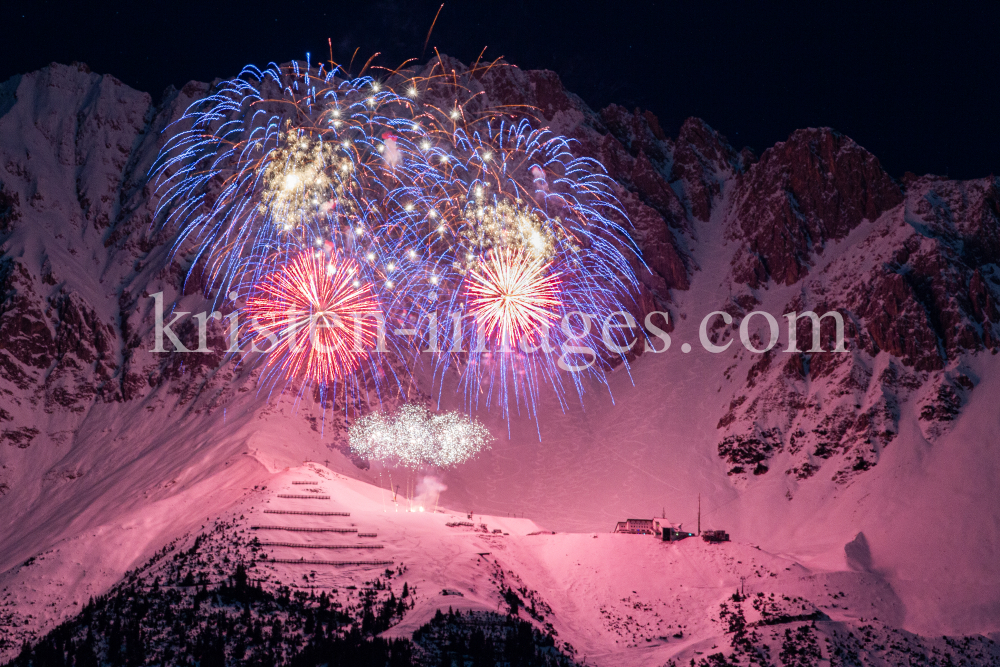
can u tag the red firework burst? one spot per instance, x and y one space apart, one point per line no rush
513 294
321 315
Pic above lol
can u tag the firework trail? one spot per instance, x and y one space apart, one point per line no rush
507 208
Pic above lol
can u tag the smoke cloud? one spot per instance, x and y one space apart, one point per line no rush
429 489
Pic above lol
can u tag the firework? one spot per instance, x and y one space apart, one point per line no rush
321 315
274 161
509 225
514 230
443 206
297 187
514 295
414 437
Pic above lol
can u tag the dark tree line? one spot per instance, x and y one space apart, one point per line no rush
203 607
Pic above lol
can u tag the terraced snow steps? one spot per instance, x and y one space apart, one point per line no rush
322 546
307 512
329 562
307 530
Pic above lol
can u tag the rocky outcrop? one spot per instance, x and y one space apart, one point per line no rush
703 162
804 192
918 295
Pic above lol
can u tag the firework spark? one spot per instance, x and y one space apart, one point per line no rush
506 224
322 316
297 187
415 437
513 295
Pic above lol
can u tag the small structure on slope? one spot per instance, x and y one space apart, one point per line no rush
670 532
635 527
715 536
659 527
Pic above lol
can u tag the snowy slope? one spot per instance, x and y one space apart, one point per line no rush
608 599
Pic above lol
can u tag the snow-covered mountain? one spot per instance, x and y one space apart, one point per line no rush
319 568
109 451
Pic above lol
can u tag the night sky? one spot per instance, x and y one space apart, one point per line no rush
915 83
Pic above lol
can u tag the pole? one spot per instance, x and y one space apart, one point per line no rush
699 514
381 491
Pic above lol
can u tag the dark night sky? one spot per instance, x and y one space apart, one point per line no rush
915 83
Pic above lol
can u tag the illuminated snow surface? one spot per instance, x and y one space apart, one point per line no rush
616 599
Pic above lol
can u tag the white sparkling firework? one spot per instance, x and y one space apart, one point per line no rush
415 437
296 183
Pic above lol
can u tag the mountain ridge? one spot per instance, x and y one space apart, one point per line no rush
813 223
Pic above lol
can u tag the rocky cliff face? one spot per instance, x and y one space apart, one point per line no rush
814 224
916 295
803 193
